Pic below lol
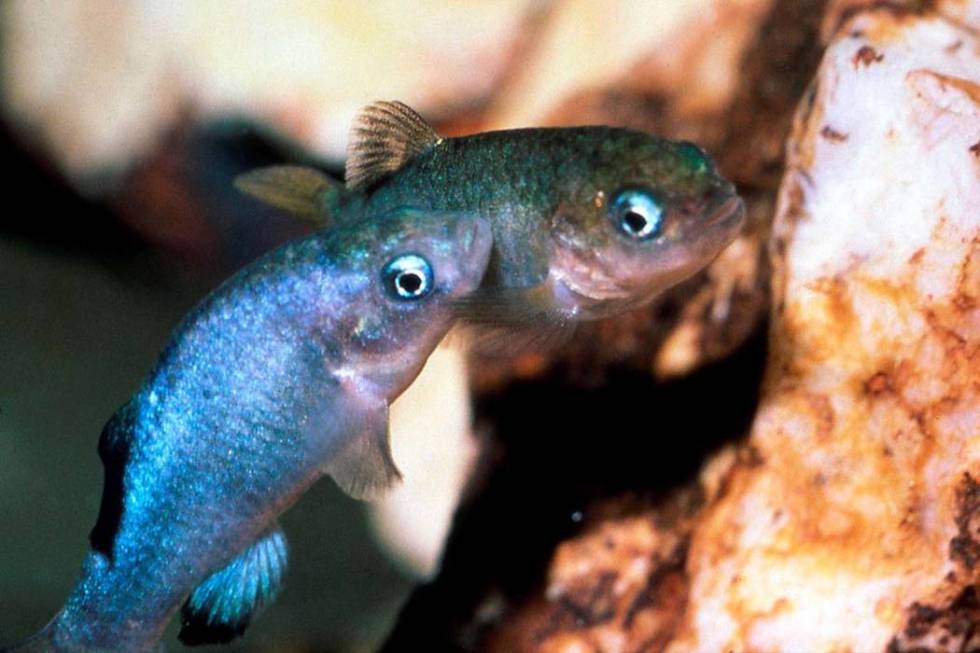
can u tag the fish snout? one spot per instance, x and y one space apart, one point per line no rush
722 208
722 217
726 211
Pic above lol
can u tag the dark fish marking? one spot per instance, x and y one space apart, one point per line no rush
866 55
833 135
196 631
114 451
975 149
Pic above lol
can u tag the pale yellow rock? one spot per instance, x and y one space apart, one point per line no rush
584 45
433 446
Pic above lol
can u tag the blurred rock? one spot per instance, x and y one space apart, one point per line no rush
585 47
435 450
97 84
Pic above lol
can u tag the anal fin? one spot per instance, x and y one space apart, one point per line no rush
221 607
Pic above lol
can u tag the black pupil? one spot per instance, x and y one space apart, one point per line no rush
410 282
635 221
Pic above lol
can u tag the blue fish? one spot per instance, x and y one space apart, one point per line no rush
282 375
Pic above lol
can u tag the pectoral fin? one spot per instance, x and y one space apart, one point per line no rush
221 607
298 190
510 321
497 306
364 467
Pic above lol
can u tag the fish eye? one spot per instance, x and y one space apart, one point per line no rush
637 213
407 277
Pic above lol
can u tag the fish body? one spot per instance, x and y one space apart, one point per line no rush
281 375
587 221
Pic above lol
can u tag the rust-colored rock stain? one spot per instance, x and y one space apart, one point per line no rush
832 134
964 548
866 55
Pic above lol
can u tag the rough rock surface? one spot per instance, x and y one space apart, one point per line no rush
856 528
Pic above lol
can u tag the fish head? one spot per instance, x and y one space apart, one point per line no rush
410 267
642 215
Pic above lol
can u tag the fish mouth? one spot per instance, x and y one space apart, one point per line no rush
703 241
730 213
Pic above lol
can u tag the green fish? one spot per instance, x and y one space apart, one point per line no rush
587 222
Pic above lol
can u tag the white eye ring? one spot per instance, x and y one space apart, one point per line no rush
407 277
637 213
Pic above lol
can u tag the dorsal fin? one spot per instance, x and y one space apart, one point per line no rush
386 135
221 607
299 190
